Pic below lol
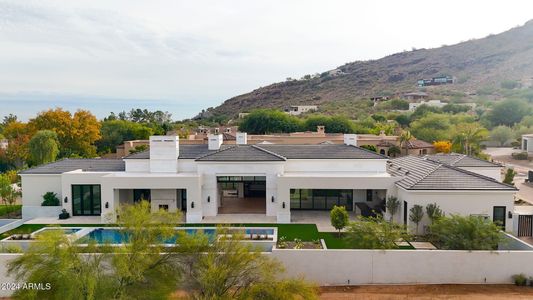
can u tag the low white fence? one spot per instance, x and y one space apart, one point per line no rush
345 267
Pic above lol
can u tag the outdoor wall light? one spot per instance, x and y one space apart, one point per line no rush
208 199
509 215
272 199
283 205
66 200
192 204
107 205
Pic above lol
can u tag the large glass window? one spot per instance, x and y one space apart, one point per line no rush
86 200
315 199
498 216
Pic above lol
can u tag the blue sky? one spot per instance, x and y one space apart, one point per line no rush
183 56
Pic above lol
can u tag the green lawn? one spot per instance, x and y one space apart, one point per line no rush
333 241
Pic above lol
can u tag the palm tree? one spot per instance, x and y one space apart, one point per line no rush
405 138
469 135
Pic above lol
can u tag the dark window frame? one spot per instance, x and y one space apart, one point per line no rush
92 203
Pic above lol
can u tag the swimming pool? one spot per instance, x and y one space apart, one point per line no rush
64 230
117 236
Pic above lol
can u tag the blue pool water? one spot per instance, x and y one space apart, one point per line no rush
115 236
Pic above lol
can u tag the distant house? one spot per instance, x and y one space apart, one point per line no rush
527 143
295 110
415 96
242 115
432 103
435 81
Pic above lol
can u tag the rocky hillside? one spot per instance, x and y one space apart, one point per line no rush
478 66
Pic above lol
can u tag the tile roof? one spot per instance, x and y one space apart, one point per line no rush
322 151
71 164
186 152
241 153
416 144
319 151
460 160
424 174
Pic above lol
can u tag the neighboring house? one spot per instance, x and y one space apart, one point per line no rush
527 143
433 103
455 190
296 110
414 147
435 81
469 163
3 144
267 180
415 96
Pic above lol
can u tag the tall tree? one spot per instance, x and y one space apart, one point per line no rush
76 133
405 138
18 135
43 147
501 134
228 268
468 137
508 112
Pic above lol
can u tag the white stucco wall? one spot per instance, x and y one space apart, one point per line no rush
351 267
137 165
529 143
35 186
457 202
336 165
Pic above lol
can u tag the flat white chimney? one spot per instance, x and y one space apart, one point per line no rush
214 141
164 152
242 138
350 139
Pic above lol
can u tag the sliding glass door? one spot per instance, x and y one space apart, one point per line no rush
317 199
86 200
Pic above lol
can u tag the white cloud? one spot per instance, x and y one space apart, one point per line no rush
194 54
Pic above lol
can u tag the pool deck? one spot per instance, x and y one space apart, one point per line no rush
71 220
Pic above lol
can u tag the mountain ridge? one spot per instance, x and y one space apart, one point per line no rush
475 64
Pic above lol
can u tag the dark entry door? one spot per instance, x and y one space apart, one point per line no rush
498 216
86 200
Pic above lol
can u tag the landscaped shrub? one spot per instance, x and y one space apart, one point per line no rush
338 217
520 279
50 199
374 233
520 156
465 233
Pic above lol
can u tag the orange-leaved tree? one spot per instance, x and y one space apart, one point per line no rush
442 146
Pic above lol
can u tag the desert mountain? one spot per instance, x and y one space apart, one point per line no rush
477 66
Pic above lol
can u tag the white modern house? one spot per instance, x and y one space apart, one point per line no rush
527 143
266 180
296 110
433 103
